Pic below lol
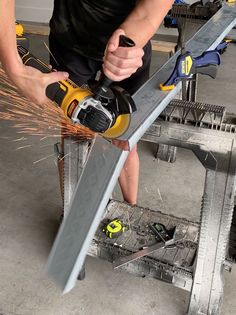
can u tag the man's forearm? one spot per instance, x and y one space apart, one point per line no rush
8 50
145 19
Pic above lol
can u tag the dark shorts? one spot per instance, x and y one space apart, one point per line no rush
82 69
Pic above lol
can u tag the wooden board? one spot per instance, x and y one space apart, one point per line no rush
163 46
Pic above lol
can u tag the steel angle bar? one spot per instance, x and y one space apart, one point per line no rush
105 161
93 191
149 99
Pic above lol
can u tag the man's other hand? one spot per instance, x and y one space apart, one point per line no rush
32 83
121 62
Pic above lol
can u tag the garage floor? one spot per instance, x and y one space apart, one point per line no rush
29 218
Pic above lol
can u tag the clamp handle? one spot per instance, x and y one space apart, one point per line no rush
210 57
207 63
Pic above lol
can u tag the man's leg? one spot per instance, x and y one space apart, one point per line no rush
129 177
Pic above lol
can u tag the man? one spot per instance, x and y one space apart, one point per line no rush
84 38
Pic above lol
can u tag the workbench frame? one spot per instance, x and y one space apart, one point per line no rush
216 150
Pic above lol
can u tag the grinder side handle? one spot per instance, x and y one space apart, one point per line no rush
105 82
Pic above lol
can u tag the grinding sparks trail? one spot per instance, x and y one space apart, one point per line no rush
45 120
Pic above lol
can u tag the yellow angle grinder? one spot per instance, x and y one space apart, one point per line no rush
102 107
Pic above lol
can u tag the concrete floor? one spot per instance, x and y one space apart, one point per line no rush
29 217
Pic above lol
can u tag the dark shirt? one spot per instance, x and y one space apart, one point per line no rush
84 26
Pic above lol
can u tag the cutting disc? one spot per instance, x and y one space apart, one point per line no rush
119 128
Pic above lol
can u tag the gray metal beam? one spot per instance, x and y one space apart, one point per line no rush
91 196
105 160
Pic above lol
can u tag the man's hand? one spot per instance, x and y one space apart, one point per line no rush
32 83
121 62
